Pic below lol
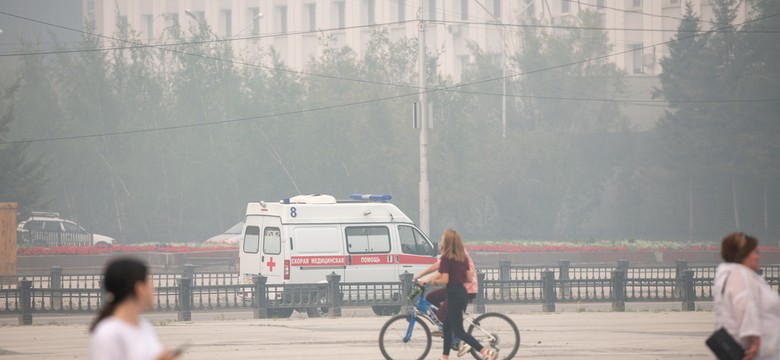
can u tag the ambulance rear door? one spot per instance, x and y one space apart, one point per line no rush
249 254
272 250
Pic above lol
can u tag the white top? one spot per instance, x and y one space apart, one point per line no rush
115 339
747 307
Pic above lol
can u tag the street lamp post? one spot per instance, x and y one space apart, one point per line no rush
425 225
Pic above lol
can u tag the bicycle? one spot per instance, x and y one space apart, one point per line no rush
397 340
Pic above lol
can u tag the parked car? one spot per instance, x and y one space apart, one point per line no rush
48 229
230 236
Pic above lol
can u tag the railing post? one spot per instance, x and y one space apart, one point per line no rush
548 291
681 266
406 288
563 275
261 301
619 289
622 265
25 302
55 284
504 275
189 272
334 294
479 301
185 299
689 296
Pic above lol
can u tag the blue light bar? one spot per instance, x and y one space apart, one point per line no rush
371 197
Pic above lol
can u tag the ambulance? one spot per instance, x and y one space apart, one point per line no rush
302 239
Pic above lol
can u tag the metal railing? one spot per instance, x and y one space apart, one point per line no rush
188 290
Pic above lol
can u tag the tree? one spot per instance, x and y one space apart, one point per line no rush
23 176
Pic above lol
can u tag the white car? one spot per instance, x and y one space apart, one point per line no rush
48 229
231 236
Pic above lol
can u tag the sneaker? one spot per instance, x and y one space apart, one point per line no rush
463 349
491 355
437 333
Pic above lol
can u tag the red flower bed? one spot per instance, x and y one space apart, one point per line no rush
91 250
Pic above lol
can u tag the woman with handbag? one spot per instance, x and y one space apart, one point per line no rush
745 306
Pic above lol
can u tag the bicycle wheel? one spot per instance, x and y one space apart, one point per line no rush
497 331
391 339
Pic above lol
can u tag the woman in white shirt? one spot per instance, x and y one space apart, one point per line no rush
119 332
745 305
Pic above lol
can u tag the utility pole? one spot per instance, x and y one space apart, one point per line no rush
425 224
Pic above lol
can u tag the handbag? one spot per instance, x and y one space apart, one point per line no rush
722 344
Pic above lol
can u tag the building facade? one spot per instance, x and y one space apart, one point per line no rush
637 29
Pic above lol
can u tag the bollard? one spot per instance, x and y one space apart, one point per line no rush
55 284
260 303
548 291
185 299
563 268
479 302
619 290
689 296
25 302
334 294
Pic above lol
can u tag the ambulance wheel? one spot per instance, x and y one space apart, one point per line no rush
280 313
383 310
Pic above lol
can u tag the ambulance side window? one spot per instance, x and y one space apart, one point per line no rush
413 242
252 239
272 241
368 239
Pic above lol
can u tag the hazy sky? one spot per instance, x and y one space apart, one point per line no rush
61 12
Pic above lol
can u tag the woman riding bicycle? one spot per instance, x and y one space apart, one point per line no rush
454 272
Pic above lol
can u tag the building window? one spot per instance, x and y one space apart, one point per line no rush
636 58
370 19
227 22
464 9
149 22
497 9
432 9
122 22
600 4
91 10
565 6
401 10
311 12
340 14
636 3
255 13
281 15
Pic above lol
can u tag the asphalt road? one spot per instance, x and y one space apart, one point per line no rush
573 334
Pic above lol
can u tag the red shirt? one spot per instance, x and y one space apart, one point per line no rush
456 270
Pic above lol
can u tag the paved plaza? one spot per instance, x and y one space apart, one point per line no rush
577 334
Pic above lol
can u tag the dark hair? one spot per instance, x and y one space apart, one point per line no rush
119 281
737 246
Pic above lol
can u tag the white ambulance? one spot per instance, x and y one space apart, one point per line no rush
302 239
